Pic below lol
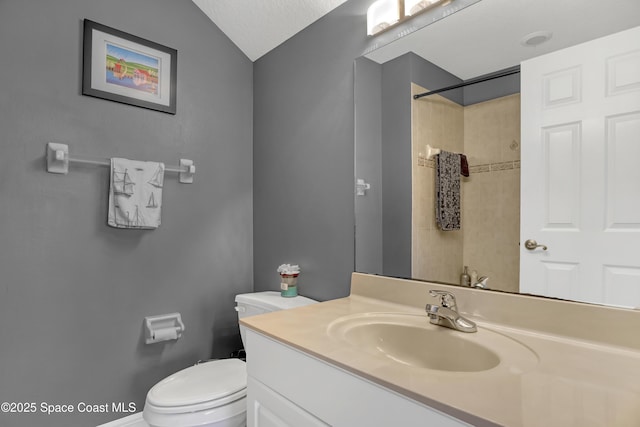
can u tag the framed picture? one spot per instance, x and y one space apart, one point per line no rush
124 68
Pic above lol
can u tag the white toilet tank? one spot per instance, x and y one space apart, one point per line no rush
265 302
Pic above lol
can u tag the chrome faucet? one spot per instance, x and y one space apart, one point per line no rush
446 314
481 283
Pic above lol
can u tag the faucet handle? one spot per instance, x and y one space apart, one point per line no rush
447 299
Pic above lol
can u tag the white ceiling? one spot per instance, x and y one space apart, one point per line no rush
485 36
258 26
479 39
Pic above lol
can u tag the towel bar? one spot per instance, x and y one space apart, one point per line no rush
432 151
58 160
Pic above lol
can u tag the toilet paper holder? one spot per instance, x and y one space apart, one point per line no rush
163 327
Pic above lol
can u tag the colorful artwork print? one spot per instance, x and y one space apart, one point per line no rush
132 69
124 68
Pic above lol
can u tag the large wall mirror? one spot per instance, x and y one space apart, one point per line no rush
552 150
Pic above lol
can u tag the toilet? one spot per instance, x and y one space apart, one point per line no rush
212 393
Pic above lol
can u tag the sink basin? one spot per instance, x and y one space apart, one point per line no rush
410 339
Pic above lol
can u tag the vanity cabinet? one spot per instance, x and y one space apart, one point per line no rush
266 408
287 387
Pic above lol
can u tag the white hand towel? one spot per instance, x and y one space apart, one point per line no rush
135 194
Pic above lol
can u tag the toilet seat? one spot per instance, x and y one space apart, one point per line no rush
197 407
199 388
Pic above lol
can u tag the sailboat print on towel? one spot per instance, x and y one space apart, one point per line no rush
137 220
122 183
135 195
158 177
152 204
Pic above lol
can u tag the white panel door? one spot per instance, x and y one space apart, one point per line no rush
581 172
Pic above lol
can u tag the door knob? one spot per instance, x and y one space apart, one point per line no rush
532 244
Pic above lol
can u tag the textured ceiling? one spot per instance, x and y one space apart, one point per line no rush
257 26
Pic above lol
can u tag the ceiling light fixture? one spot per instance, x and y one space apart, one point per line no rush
381 15
412 7
385 14
536 38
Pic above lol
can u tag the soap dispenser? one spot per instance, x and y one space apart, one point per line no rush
465 280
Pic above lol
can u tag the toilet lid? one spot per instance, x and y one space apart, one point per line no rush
201 383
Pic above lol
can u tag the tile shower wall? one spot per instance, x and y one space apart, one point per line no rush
489 134
435 255
491 198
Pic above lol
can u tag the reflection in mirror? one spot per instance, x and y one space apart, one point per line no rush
396 231
488 134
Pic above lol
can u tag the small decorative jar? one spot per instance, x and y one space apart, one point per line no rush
289 280
289 285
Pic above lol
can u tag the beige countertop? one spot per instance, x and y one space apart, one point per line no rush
575 382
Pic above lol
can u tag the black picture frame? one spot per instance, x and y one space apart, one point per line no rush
124 68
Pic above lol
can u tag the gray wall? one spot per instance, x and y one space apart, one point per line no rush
304 157
491 89
74 292
368 165
396 167
304 152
